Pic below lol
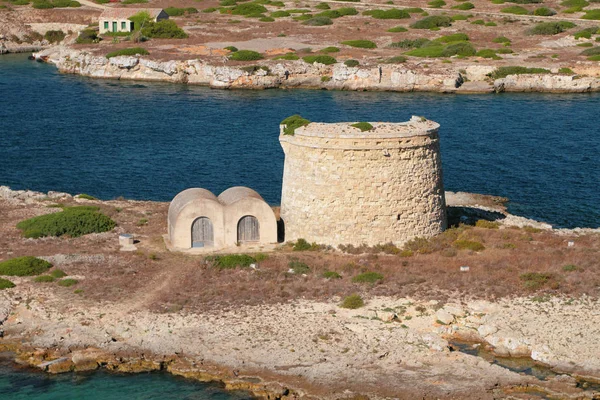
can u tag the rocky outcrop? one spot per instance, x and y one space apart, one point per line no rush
547 83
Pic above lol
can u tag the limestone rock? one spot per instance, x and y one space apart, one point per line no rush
479 72
124 61
486 330
444 316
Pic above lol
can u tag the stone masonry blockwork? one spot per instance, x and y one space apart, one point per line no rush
344 186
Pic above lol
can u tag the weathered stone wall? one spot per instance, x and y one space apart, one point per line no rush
344 186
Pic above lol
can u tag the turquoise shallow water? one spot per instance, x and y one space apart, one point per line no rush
26 384
150 140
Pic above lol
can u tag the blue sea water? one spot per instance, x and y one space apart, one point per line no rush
151 140
26 384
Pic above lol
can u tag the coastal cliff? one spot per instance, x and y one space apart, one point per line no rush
299 74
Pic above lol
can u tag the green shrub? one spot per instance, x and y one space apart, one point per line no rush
463 49
54 36
574 6
42 4
352 302
24 266
330 49
304 17
433 21
318 21
550 28
544 12
321 59
503 72
87 196
165 29
461 17
397 29
245 55
482 223
436 3
586 33
592 14
535 280
488 53
266 19
325 79
570 268
367 277
248 9
491 23
501 39
298 11
288 56
290 126
6 284
209 10
331 275
585 45
303 245
468 245
410 43
457 37
394 60
231 261
232 49
57 273
298 267
361 44
464 6
346 11
594 51
478 22
518 10
322 6
392 13
72 221
43 279
131 51
363 126
177 12
351 63
594 58
280 14
333 14
68 282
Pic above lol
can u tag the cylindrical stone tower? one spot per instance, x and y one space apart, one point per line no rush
345 186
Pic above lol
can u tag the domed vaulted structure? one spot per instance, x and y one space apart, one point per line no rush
197 219
344 185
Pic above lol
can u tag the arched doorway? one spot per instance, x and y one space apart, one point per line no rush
202 233
248 229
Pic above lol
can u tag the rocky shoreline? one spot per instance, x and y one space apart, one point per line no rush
299 74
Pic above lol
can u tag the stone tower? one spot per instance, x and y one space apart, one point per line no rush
345 186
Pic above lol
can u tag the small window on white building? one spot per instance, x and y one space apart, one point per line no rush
123 25
106 25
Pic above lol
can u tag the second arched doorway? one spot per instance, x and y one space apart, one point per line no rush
248 229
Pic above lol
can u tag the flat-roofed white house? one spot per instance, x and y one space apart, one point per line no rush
117 19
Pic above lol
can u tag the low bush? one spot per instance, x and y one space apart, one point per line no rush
585 45
87 196
394 60
392 13
594 51
131 51
290 126
6 284
330 49
410 43
68 282
352 302
248 9
482 223
209 10
245 55
567 71
592 14
321 59
288 56
231 261
363 126
44 279
318 21
457 37
434 21
87 36
501 39
550 28
462 49
535 280
351 63
54 36
469 245
518 10
478 22
304 17
544 12
57 273
177 12
322 6
298 267
331 275
266 19
165 29
368 277
303 245
361 44
231 48
586 33
72 221
24 266
464 6
503 72
488 53
280 14
333 14
436 3
347 11
397 29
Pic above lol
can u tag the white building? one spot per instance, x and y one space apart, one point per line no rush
117 19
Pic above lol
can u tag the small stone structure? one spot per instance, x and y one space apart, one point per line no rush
117 19
345 186
198 219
